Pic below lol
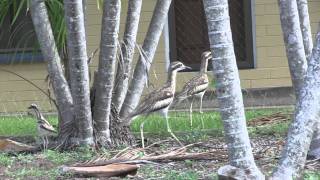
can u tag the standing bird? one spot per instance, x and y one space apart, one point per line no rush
44 127
197 86
160 99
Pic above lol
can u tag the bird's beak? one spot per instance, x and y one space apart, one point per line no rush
30 107
187 67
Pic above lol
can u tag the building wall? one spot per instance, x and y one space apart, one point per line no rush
271 63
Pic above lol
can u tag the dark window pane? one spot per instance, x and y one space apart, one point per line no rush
189 35
18 41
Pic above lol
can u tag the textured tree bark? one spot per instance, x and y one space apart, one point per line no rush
308 45
50 52
127 50
228 87
314 151
143 65
84 8
292 35
303 126
120 134
305 26
289 20
79 75
106 69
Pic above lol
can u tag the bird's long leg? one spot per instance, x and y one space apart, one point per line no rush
47 142
141 133
200 110
169 129
190 113
43 142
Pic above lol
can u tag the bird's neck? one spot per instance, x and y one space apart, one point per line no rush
204 65
171 81
38 114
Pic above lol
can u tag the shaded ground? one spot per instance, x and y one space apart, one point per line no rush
45 165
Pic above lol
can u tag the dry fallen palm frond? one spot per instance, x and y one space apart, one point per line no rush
10 146
269 119
139 156
313 164
110 170
148 155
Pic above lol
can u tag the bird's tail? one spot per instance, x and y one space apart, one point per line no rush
127 120
178 98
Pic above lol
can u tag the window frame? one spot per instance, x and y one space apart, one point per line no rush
250 30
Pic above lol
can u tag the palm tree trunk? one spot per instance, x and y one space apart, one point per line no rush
84 8
290 24
143 65
50 52
106 69
303 126
127 50
305 26
299 47
314 151
228 87
308 46
79 75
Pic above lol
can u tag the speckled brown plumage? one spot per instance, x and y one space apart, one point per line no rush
198 84
160 99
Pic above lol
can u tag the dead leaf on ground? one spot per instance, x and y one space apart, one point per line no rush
111 170
10 146
270 119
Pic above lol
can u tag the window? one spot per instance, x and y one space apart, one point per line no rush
189 33
18 40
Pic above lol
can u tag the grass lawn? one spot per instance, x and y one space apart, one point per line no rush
210 122
45 165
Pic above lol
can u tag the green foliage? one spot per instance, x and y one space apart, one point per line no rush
279 129
15 5
99 4
156 125
81 154
212 124
21 125
311 175
5 159
25 172
56 16
179 121
188 162
55 11
43 165
178 175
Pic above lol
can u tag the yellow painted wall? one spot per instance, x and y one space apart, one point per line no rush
271 70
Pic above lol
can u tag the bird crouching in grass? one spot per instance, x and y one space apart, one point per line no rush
197 86
160 99
44 128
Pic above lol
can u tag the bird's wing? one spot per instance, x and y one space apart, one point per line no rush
47 126
195 85
154 101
